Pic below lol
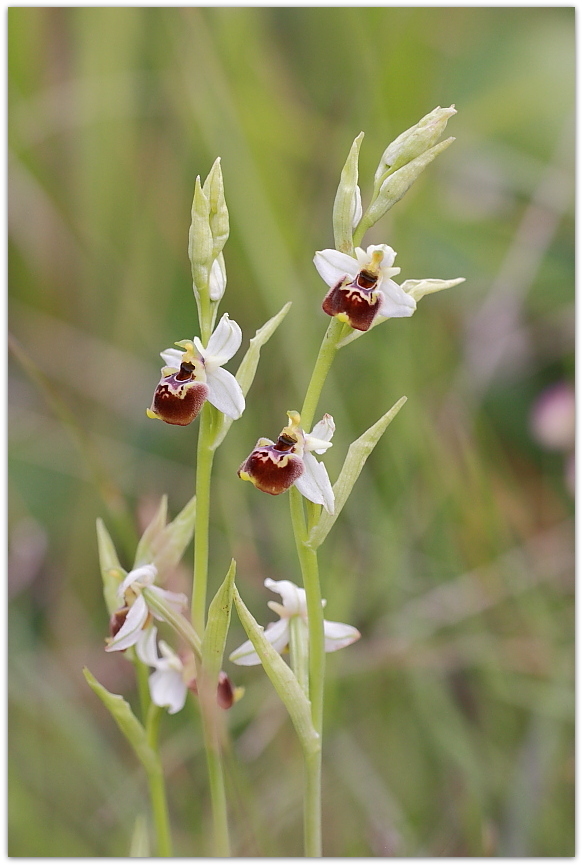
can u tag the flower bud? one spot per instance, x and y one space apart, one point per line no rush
178 398
217 278
396 185
200 239
347 204
227 694
273 467
415 141
214 190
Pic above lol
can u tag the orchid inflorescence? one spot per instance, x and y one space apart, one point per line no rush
193 383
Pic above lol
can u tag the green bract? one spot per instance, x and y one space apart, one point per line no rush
347 205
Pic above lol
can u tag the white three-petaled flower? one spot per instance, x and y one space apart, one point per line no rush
224 391
336 634
130 594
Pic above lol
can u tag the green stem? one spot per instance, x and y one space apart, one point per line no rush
324 361
143 687
204 467
312 807
317 670
158 788
214 760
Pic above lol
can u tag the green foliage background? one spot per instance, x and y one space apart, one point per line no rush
449 725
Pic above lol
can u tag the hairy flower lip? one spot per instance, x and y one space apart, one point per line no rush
273 467
194 367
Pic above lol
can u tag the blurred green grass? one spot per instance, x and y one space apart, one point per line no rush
450 725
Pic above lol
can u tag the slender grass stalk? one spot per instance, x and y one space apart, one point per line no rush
157 787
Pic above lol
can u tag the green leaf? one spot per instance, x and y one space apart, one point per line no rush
128 724
140 844
282 678
163 545
355 460
215 633
148 541
248 367
112 574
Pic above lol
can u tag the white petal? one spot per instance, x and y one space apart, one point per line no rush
223 344
333 266
324 429
145 575
356 207
132 627
338 634
314 483
172 358
171 660
294 598
217 278
277 633
168 689
396 304
146 646
225 393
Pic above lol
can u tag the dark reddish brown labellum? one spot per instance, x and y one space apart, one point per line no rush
117 619
178 399
272 468
358 301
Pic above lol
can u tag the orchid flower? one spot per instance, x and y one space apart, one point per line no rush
336 634
362 288
194 374
128 623
273 467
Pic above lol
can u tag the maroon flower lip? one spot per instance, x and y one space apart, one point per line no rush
178 398
358 301
273 468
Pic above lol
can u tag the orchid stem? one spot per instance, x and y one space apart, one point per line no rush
317 669
324 361
204 465
157 787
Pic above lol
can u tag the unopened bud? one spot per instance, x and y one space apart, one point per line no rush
396 185
200 239
347 204
218 278
415 141
214 190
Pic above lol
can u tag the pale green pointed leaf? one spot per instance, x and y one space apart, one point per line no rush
150 537
248 367
343 211
355 460
175 539
282 678
112 574
140 844
128 724
217 626
200 239
214 190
